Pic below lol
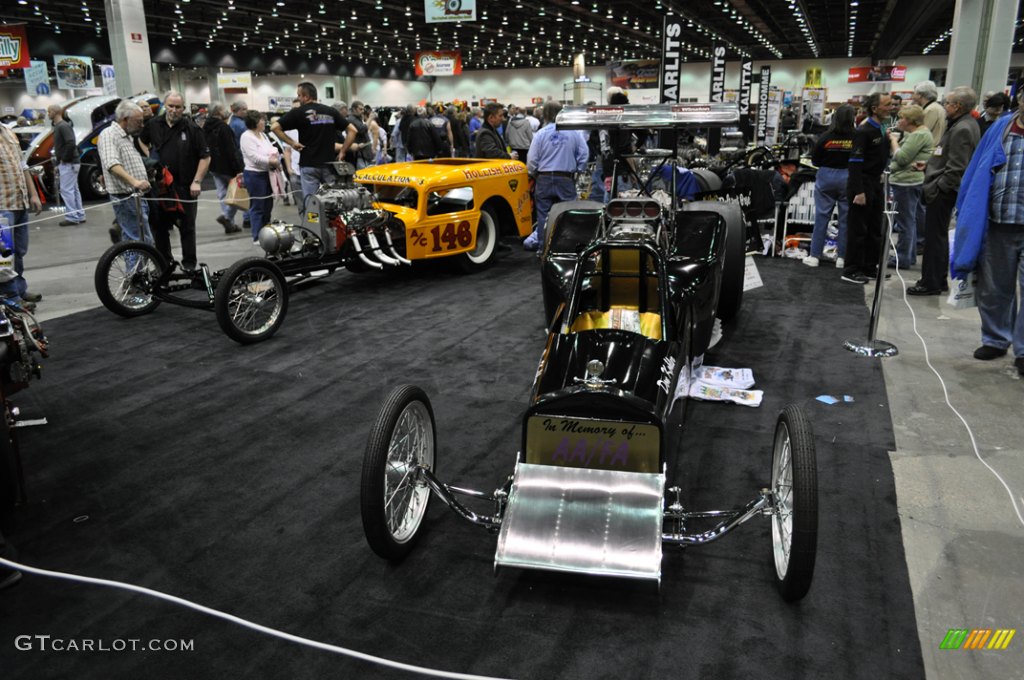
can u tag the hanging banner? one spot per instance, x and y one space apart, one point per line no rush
37 80
638 74
717 73
439 63
671 56
762 103
239 80
109 79
444 11
771 134
13 46
877 74
73 73
812 77
814 106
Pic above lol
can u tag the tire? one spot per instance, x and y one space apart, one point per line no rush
730 292
795 490
90 178
9 478
402 438
251 300
126 278
486 246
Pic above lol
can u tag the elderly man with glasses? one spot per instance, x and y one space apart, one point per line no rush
942 178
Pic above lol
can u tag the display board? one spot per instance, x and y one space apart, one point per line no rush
774 109
814 105
74 72
13 46
636 74
670 60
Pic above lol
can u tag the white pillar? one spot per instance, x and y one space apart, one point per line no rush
979 50
129 46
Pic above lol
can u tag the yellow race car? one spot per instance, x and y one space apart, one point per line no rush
453 206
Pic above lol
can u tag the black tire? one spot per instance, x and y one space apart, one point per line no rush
251 300
9 477
126 278
487 234
730 293
795 490
388 463
90 178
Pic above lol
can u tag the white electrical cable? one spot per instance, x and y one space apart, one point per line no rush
244 623
945 392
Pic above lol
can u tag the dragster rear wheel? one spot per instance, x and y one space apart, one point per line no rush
795 491
251 300
393 494
126 277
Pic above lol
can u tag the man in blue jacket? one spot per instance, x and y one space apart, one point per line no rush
990 234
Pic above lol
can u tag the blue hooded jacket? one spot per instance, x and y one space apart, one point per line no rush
973 201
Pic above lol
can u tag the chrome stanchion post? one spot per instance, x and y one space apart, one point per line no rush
873 347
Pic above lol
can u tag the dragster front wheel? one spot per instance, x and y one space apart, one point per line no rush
251 300
126 278
795 492
393 494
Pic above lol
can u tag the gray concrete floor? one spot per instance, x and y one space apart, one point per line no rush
963 538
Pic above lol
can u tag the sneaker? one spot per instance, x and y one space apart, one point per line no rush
856 277
840 263
988 353
255 242
531 243
68 223
810 261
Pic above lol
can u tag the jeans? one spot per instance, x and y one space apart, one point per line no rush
311 179
69 192
17 221
829 190
908 204
935 261
184 219
296 186
128 218
548 190
261 199
597 184
1000 271
222 182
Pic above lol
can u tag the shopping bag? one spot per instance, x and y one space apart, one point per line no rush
962 293
237 196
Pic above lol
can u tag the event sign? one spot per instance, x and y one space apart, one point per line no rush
73 72
439 63
239 80
444 11
762 103
37 80
13 46
671 56
637 74
717 73
877 74
109 79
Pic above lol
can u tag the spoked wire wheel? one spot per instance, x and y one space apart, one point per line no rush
795 495
251 300
394 495
126 278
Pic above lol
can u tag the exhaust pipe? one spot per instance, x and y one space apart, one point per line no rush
378 252
391 248
362 255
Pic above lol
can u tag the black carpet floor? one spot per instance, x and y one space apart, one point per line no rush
178 460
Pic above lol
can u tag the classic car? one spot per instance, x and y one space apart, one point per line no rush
384 216
631 290
89 116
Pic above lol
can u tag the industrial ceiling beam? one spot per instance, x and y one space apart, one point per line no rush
905 23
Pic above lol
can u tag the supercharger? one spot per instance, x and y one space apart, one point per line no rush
339 220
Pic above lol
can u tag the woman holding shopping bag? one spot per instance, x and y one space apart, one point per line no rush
260 158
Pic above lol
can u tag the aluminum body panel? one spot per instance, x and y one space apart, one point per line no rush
599 522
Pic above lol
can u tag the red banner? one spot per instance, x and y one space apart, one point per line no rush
13 46
439 63
877 74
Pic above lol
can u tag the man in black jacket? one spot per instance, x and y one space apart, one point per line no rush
488 142
423 141
180 146
942 185
225 161
66 156
868 160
